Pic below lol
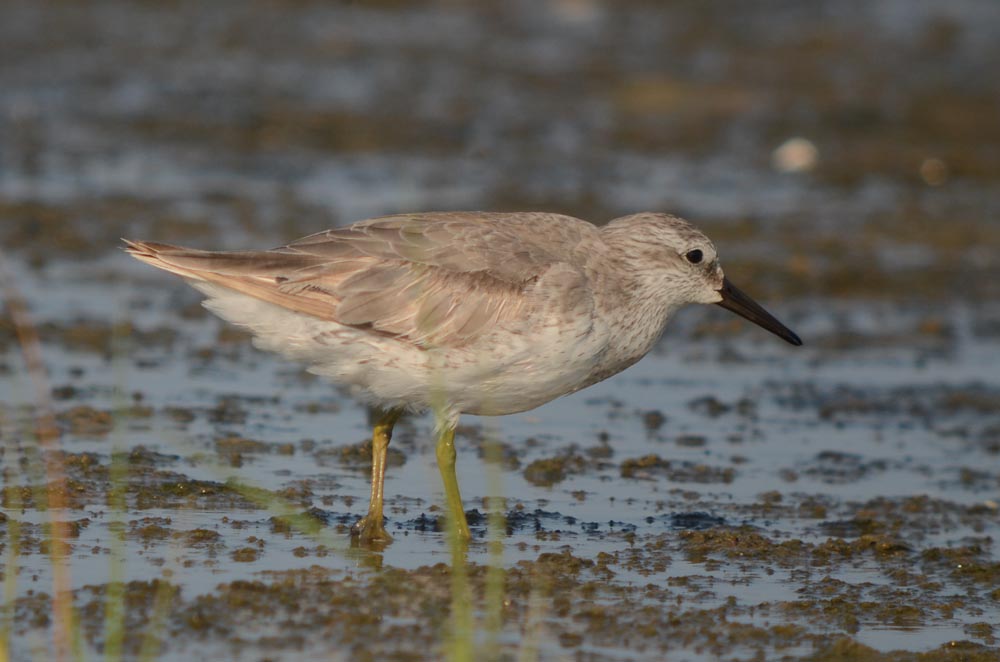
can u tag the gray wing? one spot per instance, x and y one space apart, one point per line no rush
434 279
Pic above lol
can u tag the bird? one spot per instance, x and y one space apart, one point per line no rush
481 313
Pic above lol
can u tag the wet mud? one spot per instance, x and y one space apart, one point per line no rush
169 491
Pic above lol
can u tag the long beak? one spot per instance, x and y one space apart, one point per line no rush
735 300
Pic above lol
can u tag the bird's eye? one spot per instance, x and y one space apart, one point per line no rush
694 257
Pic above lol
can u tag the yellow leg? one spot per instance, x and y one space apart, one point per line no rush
370 528
446 463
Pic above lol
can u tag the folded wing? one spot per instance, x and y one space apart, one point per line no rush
434 279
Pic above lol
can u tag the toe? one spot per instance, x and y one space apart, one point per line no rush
368 530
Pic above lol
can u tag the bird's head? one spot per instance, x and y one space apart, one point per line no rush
675 262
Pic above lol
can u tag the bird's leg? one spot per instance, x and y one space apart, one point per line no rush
446 463
370 528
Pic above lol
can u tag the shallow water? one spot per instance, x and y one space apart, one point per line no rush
729 497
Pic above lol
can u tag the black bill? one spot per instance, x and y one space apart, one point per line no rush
735 300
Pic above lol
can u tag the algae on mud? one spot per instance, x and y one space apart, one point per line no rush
848 508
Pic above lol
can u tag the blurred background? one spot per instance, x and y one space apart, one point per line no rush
839 148
844 155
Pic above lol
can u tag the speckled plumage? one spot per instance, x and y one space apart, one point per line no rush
463 312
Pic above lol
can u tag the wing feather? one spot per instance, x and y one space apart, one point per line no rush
431 279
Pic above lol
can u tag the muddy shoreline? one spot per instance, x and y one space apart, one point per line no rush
726 498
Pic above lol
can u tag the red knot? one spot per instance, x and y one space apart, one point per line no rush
463 312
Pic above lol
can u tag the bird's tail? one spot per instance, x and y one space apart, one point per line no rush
260 274
185 262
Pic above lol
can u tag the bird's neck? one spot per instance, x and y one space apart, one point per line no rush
636 311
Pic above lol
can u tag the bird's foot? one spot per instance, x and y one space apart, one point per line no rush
370 530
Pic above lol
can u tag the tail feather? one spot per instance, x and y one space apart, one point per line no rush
255 273
231 263
162 256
